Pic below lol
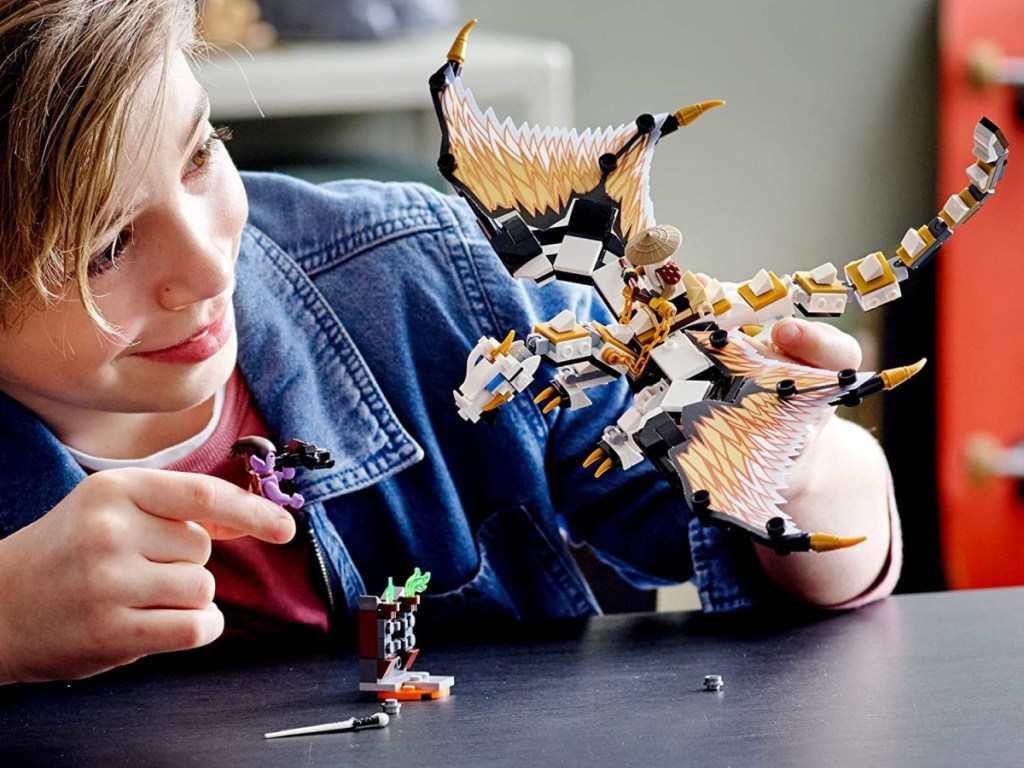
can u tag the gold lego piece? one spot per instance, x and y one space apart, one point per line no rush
605 466
751 330
826 542
596 454
893 377
689 114
549 333
544 395
773 294
496 402
504 347
457 53
721 306
864 287
552 405
809 284
929 241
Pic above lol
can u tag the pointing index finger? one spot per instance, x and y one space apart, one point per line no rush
222 508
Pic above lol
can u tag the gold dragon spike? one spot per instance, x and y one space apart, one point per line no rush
504 347
457 53
893 377
689 114
605 466
826 542
594 456
496 402
552 405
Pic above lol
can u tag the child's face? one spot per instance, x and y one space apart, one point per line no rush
168 289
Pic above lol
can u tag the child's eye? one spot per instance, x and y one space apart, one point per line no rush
106 258
205 154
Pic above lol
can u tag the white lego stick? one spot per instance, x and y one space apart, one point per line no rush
378 720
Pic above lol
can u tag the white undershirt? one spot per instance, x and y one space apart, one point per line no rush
160 459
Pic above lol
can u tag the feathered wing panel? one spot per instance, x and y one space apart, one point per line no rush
538 172
741 449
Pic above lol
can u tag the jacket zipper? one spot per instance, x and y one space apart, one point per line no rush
323 568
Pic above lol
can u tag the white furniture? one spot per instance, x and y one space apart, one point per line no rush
531 79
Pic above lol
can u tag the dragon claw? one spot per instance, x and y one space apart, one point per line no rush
554 402
594 456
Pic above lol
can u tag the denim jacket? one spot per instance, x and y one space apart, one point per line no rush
356 306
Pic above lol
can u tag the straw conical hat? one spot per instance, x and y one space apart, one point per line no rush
653 245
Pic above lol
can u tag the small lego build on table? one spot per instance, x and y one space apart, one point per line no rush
387 644
722 421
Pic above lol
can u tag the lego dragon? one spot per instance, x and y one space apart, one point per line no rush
723 422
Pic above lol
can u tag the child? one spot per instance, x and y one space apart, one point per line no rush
156 307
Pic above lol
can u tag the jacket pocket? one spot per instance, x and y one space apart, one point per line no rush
521 574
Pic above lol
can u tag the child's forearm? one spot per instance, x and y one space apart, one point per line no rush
840 485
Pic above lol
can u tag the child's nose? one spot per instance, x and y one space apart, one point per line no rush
200 266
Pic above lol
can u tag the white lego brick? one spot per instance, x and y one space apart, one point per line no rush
781 308
985 144
621 333
956 208
578 255
571 350
877 298
741 313
870 268
641 323
649 398
538 269
761 283
679 358
978 177
913 243
825 274
608 280
683 393
563 322
826 303
629 422
715 291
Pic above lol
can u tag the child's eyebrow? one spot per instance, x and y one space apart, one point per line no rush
198 113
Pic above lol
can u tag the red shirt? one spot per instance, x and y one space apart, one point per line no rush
261 588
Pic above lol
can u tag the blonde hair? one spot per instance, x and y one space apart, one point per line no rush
69 73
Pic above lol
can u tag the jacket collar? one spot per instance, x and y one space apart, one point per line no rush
308 377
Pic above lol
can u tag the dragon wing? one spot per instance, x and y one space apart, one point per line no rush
538 173
741 443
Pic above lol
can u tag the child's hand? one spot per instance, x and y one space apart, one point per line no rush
839 485
815 344
115 571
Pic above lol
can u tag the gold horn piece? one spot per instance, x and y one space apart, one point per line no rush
552 405
893 377
594 456
457 53
687 115
504 347
826 542
496 402
605 466
544 395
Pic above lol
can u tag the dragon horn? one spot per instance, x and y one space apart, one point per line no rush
893 377
689 114
457 53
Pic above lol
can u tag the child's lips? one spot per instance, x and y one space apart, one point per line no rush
199 347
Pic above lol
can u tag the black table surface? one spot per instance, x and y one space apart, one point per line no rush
935 679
